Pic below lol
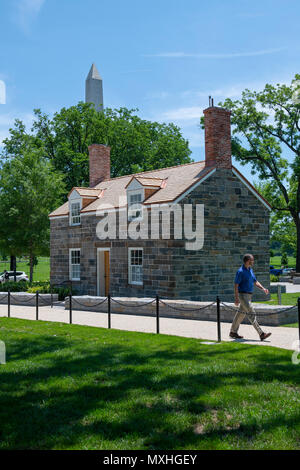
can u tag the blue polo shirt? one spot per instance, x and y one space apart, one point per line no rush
245 278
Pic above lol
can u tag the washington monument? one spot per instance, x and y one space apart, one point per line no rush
94 88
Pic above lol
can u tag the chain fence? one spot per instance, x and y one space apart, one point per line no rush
155 307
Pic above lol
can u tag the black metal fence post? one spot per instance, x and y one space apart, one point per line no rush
37 305
157 314
51 292
70 307
218 320
8 303
109 310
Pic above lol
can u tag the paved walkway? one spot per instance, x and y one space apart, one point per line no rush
282 337
289 286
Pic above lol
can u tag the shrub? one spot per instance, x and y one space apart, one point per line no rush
21 286
274 278
43 287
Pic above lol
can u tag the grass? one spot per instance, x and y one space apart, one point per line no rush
289 298
41 270
276 261
76 387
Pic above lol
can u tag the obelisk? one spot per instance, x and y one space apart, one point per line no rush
94 88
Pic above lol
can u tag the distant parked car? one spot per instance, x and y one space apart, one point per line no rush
20 276
288 271
275 272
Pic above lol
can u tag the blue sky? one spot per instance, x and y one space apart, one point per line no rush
162 56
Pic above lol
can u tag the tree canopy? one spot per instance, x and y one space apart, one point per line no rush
29 190
266 135
136 144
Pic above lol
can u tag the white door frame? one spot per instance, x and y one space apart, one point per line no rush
100 250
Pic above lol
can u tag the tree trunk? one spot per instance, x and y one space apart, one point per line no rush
13 263
31 267
13 266
298 246
31 259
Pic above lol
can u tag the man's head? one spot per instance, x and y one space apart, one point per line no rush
248 260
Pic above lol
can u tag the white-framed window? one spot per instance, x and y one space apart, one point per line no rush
75 208
135 207
74 264
135 266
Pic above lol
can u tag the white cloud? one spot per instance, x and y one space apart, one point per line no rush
230 55
182 114
26 12
2 92
157 95
7 121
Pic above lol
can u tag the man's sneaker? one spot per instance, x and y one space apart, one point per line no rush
235 335
264 336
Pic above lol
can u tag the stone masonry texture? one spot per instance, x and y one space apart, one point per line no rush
235 223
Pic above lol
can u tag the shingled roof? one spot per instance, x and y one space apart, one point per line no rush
177 180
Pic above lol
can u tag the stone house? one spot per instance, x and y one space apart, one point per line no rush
178 232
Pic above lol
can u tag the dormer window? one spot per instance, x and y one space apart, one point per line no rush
135 207
75 213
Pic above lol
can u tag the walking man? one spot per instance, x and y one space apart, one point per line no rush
243 288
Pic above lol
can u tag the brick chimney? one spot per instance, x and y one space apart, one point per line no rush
99 163
217 137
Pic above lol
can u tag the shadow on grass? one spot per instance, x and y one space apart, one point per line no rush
62 391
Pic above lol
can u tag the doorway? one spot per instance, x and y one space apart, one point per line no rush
103 261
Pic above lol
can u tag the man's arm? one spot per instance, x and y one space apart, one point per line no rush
258 284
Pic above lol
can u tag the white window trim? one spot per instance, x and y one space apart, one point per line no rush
75 201
133 192
70 264
130 249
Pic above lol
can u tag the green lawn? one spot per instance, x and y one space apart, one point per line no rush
76 387
289 298
276 261
41 270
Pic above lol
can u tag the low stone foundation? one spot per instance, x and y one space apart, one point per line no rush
274 289
26 298
180 309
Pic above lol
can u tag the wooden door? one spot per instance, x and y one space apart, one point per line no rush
106 271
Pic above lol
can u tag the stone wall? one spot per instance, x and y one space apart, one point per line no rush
27 299
235 223
182 309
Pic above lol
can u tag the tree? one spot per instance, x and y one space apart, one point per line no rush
29 190
266 135
284 260
136 144
282 227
